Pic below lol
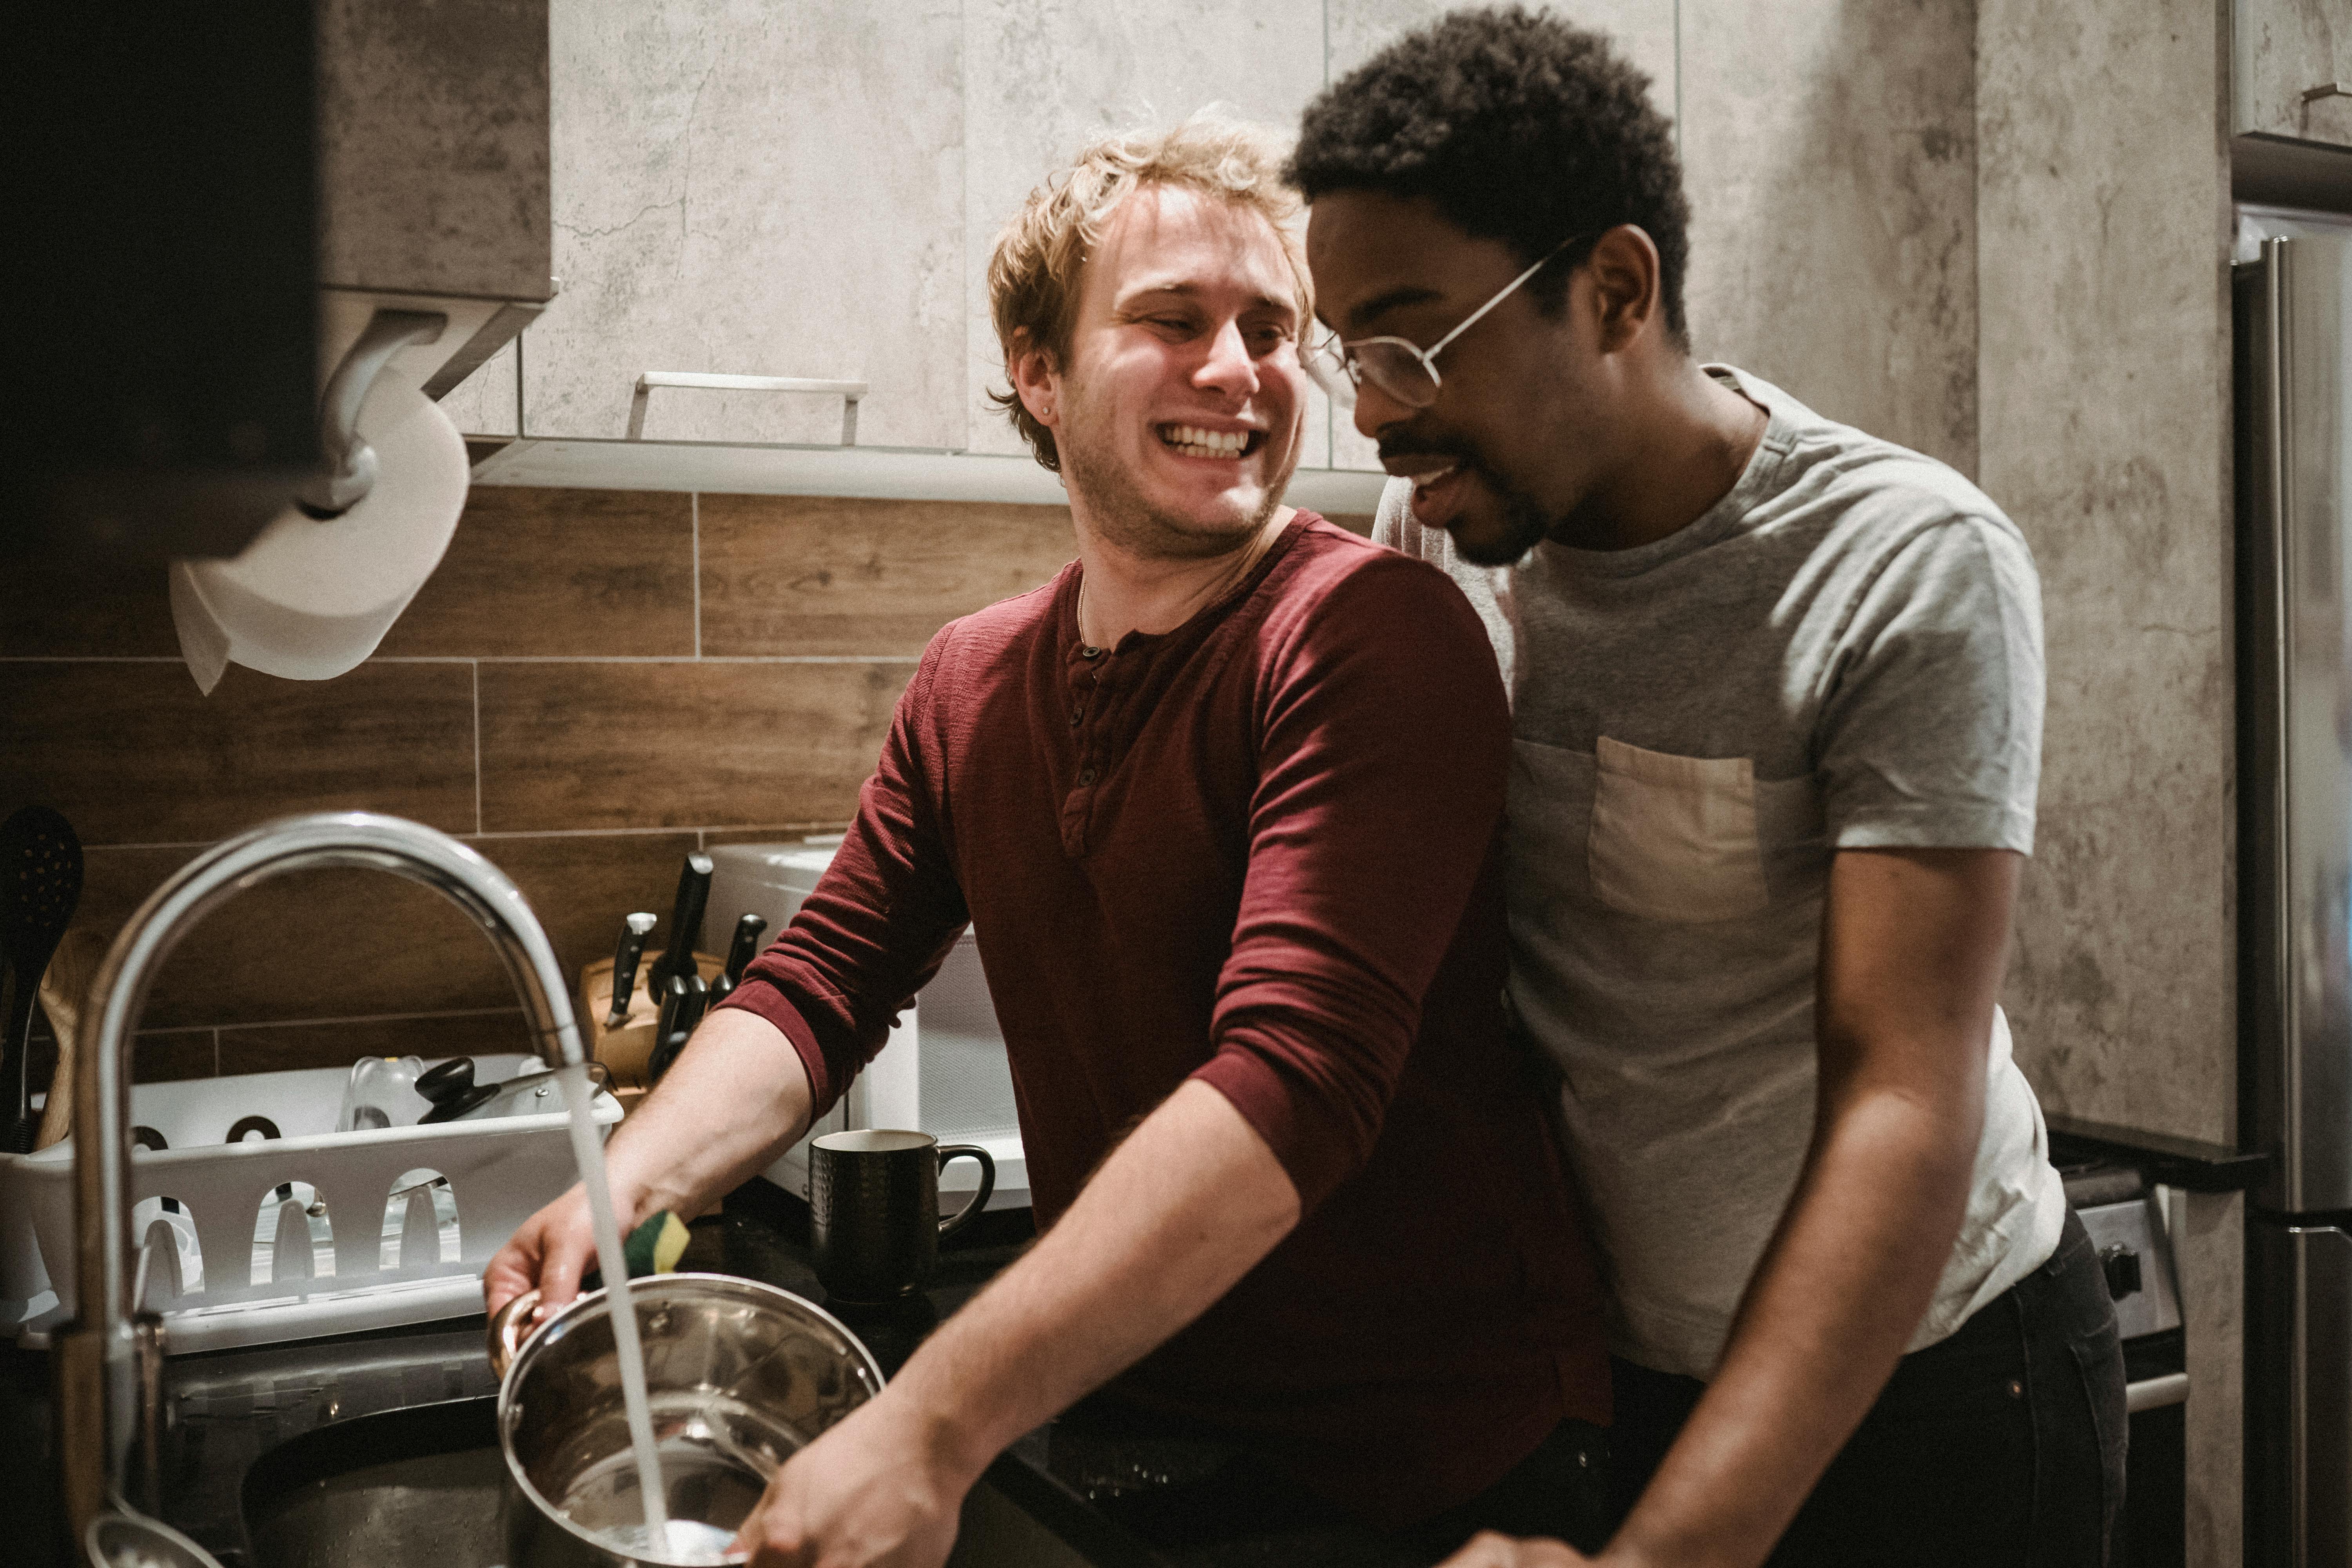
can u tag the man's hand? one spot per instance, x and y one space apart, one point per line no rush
734 1099
551 1251
1489 1549
1181 1209
879 1490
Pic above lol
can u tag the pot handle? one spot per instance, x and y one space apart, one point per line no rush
509 1326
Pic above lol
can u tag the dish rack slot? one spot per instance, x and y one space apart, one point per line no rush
420 1223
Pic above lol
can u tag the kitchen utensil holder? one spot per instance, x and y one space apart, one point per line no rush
627 1047
367 1249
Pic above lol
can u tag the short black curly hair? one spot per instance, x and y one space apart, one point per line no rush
1522 128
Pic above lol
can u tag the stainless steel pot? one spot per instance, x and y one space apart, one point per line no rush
739 1375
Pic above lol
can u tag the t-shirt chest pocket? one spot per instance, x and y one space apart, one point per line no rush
1674 838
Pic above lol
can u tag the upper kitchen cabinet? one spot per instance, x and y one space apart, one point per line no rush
1042 80
2290 69
257 188
433 168
813 192
162 182
753 190
432 147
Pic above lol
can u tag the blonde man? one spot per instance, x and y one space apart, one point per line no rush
1219 802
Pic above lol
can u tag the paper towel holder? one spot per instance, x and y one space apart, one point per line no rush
349 464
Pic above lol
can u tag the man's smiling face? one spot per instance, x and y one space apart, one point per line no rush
1511 445
1180 407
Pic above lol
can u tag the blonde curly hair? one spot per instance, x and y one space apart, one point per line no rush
1035 270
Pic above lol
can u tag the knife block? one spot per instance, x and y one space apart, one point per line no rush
626 1047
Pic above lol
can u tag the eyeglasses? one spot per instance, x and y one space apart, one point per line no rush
1401 371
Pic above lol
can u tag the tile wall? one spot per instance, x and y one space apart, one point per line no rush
592 684
2103 381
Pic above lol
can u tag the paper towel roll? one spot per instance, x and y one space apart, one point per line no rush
309 600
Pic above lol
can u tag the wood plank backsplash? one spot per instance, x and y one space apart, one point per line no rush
592 684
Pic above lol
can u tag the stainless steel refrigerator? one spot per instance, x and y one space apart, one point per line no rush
2293 368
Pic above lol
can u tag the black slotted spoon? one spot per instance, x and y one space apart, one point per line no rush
40 883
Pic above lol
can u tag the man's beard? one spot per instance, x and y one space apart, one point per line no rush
1525 523
1129 519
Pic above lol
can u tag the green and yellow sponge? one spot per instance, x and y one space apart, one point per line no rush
654 1248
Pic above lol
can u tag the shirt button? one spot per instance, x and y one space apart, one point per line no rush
1077 717
1086 777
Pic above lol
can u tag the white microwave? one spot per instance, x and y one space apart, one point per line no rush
943 1070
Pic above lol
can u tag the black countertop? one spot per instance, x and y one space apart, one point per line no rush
1122 1494
2188 1163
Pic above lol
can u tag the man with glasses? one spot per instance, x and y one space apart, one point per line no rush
1777 702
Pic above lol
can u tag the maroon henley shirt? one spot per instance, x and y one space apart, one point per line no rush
1260 850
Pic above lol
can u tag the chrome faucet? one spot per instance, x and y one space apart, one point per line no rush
110 1360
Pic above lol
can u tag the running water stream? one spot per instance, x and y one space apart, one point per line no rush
588 1148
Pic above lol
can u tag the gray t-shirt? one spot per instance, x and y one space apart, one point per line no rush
1844 652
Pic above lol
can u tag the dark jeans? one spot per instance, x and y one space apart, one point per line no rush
1560 1490
2000 1447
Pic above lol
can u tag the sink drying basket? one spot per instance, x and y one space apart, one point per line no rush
314 1232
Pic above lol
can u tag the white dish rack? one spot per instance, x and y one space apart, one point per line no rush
315 1232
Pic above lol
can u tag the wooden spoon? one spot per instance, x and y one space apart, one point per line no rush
40 883
64 991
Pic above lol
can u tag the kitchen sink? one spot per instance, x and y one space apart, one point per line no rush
382 1448
416 1486
423 1486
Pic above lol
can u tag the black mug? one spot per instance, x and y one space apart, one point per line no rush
874 1210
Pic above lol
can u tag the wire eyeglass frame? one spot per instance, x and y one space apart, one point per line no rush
1411 377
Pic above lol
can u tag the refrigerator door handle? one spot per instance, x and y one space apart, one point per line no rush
2156 1392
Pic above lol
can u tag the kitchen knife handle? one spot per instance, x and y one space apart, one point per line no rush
748 932
746 947
696 1003
673 997
686 918
687 998
624 967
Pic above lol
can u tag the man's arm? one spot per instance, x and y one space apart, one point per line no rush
1913 945
1181 1211
737 1095
865 941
